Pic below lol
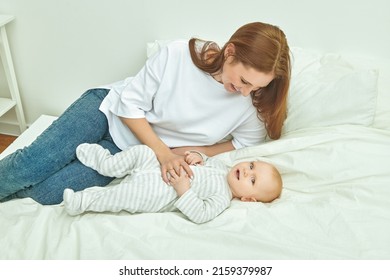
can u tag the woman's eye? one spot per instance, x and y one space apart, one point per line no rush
244 82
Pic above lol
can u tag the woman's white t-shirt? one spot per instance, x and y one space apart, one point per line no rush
184 105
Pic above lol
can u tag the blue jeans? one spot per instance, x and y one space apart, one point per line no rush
49 165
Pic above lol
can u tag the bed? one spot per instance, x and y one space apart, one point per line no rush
334 158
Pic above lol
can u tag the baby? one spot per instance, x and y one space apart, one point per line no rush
142 189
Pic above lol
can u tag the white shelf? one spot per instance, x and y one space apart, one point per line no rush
6 104
4 19
14 101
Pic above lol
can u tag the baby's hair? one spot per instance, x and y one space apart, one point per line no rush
275 190
279 180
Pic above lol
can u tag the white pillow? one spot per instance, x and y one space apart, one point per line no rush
325 90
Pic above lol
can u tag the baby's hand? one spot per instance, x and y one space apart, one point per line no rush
181 183
193 158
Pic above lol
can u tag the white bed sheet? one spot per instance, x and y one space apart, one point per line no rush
335 205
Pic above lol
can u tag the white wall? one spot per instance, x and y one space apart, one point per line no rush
61 48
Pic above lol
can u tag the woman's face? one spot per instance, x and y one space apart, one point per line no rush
237 78
240 79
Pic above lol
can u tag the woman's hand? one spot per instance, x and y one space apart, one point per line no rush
171 165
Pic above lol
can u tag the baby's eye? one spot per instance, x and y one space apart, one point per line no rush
253 181
251 165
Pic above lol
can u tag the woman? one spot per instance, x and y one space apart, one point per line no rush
190 95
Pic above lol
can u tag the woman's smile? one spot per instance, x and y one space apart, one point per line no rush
232 88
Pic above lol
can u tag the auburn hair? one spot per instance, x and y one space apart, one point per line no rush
264 48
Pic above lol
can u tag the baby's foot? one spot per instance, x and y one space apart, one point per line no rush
72 202
91 154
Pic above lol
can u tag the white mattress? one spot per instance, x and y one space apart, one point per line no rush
335 205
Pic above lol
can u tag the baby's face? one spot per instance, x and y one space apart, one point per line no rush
254 181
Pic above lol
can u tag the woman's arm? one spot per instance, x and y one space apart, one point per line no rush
210 151
169 161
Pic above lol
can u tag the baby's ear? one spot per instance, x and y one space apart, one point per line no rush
248 199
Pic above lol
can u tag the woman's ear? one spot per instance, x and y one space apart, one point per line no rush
230 50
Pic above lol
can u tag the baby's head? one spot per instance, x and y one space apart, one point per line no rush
255 181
